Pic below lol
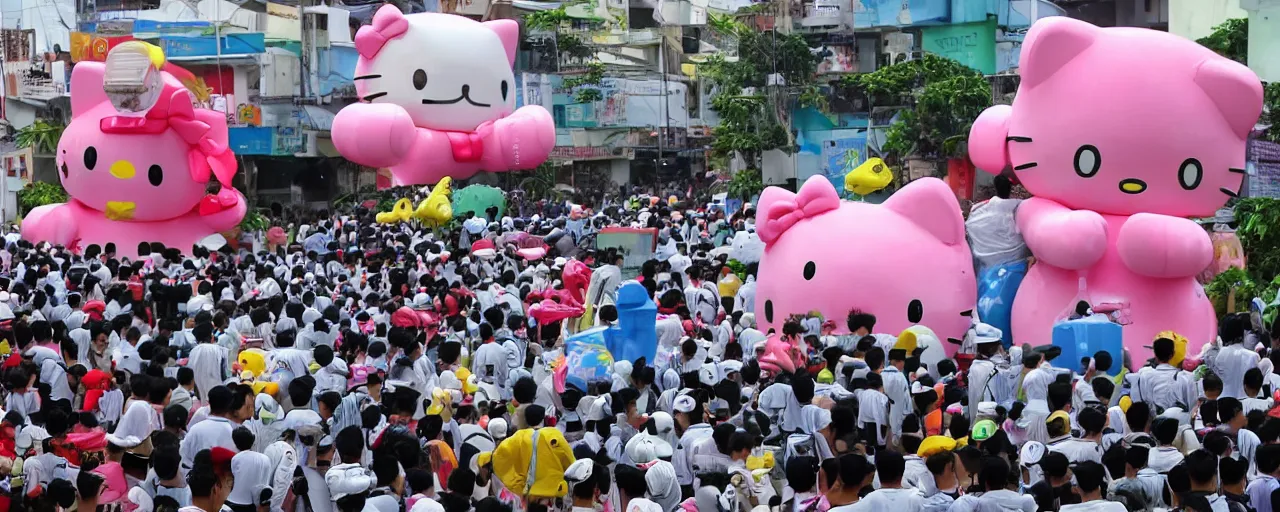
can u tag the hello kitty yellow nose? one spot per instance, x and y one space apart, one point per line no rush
123 169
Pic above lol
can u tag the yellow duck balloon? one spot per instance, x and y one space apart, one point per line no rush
401 212
869 177
436 208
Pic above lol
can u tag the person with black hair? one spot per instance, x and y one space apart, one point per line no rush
214 431
1091 483
873 413
891 495
1162 385
1089 445
210 480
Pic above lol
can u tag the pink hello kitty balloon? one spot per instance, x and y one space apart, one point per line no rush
440 100
906 261
1121 134
138 179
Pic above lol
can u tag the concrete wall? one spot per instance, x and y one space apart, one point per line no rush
1264 40
1194 19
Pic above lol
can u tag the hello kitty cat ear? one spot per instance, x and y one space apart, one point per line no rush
87 81
1234 89
930 204
1050 44
509 33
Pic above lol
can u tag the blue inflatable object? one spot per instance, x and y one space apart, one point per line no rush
637 324
1085 337
996 290
587 355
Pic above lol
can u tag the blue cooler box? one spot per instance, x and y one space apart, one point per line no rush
1086 336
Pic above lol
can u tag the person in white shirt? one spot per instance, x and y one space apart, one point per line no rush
1253 399
1165 456
1235 358
873 411
891 495
214 431
1164 386
1088 447
1089 478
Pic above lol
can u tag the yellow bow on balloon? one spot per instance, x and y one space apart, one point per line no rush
436 208
401 212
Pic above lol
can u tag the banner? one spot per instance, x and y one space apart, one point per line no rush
587 354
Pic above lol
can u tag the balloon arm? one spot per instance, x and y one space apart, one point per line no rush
54 223
1163 246
375 135
1062 237
229 217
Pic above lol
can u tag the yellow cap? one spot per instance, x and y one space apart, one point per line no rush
1125 402
1058 415
5 349
935 444
438 399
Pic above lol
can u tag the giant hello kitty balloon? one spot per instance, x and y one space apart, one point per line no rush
1121 134
140 178
906 261
438 99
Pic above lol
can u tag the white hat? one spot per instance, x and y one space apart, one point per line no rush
498 429
986 333
1031 453
684 403
579 471
644 447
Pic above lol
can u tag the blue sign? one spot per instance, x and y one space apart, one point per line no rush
208 46
251 140
843 155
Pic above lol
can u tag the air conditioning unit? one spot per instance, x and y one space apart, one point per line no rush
281 70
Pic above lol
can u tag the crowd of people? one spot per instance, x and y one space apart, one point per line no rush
364 367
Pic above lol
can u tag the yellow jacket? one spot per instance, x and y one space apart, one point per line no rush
553 457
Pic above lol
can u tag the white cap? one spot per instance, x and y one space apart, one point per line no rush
986 333
498 429
579 471
684 403
1031 453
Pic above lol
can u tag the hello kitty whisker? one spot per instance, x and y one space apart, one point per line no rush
1229 192
1025 166
967 312
1233 169
1014 138
366 77
374 96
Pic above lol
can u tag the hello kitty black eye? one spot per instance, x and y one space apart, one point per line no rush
90 157
155 175
419 79
915 311
505 88
810 269
1088 161
1190 174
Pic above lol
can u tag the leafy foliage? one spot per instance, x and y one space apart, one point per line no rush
39 193
942 97
42 136
1230 40
254 221
749 123
585 86
546 20
1271 111
1258 227
745 184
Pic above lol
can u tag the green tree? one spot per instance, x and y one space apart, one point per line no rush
941 97
1230 40
745 97
39 193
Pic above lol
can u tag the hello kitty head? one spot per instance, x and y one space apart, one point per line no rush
448 72
1122 120
146 168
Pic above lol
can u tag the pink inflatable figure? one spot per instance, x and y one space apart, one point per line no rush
138 179
1121 134
440 100
781 356
905 261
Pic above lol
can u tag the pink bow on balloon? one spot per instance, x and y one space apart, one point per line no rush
207 156
388 23
784 209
